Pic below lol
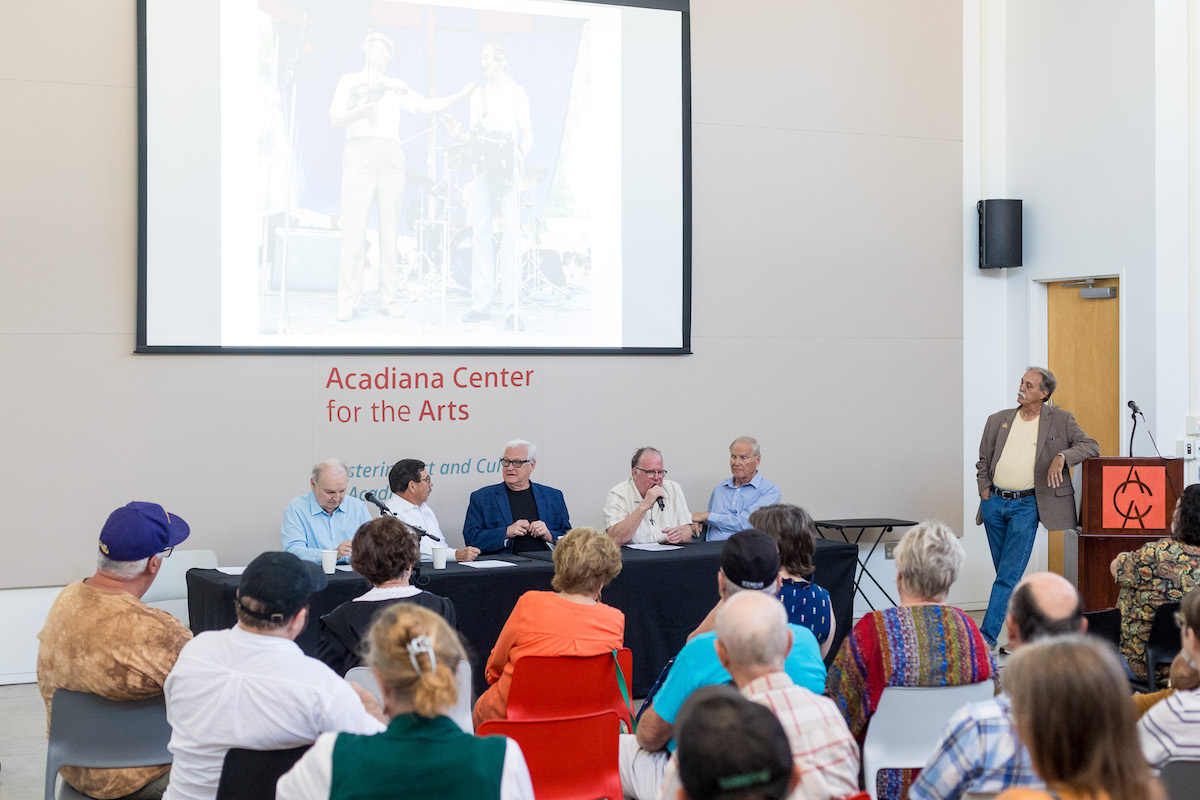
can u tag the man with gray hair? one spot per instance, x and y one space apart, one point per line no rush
1023 480
100 637
733 500
980 751
749 563
518 514
753 640
323 518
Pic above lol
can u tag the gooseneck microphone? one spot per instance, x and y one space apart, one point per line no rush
375 501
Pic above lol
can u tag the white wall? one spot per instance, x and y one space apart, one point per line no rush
1081 109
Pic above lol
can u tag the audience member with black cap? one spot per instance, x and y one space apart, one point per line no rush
101 638
252 687
385 553
749 562
732 749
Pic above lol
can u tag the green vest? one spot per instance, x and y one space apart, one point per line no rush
426 759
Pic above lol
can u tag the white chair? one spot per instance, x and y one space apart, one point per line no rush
461 713
908 724
169 590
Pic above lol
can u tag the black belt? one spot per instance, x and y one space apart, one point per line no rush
1007 495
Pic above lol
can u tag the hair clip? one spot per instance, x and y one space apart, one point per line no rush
422 644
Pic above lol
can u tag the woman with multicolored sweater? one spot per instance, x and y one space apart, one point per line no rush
923 642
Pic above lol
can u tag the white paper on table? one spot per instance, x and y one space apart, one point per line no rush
231 570
344 568
654 547
488 564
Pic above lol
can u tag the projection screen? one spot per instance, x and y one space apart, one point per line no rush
376 176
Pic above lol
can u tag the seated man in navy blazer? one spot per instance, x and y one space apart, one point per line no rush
516 515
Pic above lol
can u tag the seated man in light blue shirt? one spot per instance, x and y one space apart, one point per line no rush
323 518
731 502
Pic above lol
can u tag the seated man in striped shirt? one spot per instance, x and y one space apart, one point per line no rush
1170 730
980 751
753 640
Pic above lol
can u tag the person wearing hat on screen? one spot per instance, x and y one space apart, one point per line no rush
367 105
100 637
252 687
749 562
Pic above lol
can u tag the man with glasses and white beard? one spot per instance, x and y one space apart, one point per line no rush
516 515
647 507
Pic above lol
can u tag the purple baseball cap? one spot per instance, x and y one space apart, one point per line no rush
140 530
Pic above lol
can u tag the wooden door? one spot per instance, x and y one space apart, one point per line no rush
1084 355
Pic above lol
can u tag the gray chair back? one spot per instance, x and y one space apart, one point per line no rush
87 730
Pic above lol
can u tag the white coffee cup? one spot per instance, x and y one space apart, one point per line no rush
328 561
440 555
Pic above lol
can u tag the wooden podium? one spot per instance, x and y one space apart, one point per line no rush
1126 503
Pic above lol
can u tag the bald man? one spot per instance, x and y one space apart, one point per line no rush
753 640
325 517
980 751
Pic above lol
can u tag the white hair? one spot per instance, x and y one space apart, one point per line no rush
335 464
125 570
750 440
928 560
530 448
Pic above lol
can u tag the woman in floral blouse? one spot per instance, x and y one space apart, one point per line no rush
1159 572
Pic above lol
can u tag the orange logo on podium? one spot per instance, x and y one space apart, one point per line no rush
1135 497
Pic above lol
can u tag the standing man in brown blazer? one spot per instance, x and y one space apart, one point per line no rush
1022 475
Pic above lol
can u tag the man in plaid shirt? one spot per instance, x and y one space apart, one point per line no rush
980 751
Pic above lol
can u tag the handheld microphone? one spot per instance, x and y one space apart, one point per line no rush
1134 408
375 501
661 505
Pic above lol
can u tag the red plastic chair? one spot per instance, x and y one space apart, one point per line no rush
569 758
565 686
856 796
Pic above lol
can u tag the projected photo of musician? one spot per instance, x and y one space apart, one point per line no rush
368 105
501 135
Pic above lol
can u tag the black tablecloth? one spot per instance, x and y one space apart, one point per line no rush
664 596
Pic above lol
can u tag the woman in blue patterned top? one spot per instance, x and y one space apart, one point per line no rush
807 603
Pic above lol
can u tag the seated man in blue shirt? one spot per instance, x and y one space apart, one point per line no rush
323 518
749 562
516 515
733 500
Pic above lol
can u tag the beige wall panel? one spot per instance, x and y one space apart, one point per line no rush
69 205
70 41
815 234
89 427
855 66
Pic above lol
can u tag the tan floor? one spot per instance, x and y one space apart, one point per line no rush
22 742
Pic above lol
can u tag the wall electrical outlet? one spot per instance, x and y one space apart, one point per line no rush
1186 449
889 550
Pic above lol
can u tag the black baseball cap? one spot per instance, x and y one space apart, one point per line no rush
750 559
282 583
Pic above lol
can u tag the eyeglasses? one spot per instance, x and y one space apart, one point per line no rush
508 462
653 473
426 479
167 553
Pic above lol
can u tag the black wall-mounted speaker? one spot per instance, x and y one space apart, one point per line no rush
999 233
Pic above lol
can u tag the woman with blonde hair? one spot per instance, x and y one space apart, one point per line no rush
922 642
1070 701
569 621
423 753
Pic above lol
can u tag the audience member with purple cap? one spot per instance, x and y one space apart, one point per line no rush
101 638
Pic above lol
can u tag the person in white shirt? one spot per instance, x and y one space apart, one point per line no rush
411 486
367 105
252 687
647 507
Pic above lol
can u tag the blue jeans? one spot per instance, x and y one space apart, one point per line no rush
1011 526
